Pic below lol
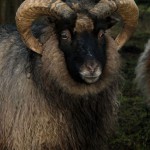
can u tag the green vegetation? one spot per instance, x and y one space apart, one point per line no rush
133 132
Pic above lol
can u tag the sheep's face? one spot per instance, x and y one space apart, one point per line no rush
84 53
84 49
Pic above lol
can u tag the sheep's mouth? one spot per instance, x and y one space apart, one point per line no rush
90 79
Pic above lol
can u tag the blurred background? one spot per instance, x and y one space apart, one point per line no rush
133 131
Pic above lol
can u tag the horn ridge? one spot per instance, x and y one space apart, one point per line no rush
129 13
103 9
30 10
126 9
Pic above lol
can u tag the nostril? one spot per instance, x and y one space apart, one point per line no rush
91 67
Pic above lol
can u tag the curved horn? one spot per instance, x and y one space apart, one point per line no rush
128 11
30 10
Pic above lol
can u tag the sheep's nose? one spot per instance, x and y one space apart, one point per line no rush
91 66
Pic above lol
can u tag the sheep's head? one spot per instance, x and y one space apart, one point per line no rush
81 37
84 47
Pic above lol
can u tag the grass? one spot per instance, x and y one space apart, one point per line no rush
133 131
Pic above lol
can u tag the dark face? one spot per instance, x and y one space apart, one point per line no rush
84 52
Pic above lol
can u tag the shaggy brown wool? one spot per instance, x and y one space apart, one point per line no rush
43 108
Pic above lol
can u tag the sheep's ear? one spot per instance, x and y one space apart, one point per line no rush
105 23
111 21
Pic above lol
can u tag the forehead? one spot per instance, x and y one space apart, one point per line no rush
83 23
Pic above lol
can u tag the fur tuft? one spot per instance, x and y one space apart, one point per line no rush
143 71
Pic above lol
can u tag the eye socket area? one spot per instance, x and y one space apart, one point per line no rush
65 35
101 34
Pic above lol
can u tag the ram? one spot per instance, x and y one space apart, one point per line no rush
59 79
143 72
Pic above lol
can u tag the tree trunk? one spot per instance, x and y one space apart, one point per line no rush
8 10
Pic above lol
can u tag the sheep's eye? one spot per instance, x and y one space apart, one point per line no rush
101 33
65 35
